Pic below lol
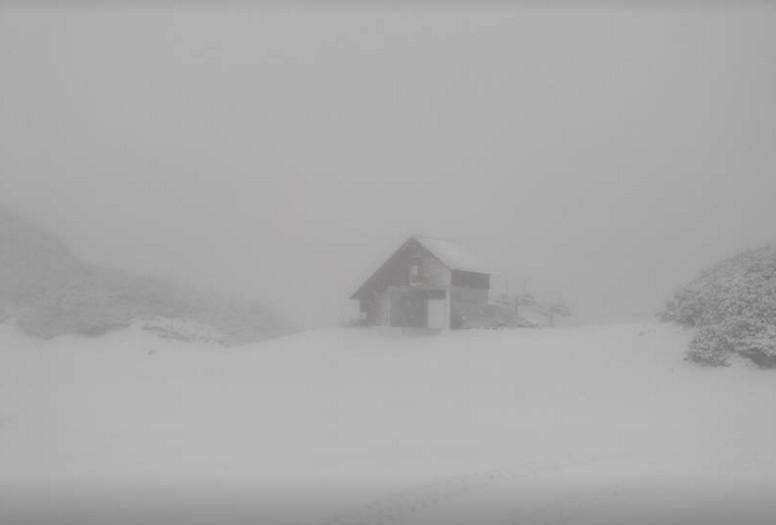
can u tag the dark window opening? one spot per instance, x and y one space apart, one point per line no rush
416 272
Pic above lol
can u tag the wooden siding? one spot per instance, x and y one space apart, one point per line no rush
466 294
408 308
375 308
470 279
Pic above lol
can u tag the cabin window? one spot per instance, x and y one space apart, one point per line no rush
415 272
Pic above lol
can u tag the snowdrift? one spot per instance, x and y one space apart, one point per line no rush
442 418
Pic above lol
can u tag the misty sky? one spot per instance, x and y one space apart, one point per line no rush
601 156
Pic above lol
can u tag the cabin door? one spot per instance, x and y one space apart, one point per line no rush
437 313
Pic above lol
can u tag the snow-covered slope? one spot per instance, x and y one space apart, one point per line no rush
466 409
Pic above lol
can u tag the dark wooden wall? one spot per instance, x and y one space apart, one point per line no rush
470 279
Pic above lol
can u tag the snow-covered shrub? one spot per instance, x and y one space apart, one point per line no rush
184 330
711 346
733 305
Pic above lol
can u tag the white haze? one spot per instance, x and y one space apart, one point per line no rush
602 156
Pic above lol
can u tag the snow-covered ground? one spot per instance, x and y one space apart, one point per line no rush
411 429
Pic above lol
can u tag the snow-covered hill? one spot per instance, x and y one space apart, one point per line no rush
48 291
414 425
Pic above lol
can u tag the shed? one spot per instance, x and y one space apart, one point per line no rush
427 283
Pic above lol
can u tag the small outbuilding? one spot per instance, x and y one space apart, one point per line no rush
427 283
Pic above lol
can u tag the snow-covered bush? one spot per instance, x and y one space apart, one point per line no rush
733 306
184 330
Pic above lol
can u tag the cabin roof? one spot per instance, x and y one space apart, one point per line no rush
452 255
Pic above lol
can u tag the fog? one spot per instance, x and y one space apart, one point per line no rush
600 156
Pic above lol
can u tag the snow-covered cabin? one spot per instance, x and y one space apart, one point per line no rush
427 283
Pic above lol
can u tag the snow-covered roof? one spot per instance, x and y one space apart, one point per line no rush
452 255
448 252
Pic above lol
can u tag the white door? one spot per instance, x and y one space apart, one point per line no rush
437 314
